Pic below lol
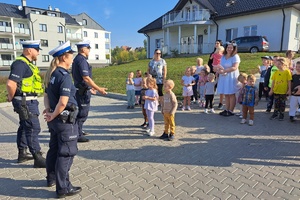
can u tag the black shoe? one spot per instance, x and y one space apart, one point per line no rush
220 106
83 139
164 136
274 116
223 113
229 113
292 119
51 183
24 156
281 116
84 133
171 137
39 160
268 111
144 125
71 192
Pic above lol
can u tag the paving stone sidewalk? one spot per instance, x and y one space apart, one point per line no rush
212 157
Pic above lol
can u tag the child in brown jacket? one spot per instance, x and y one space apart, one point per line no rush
168 109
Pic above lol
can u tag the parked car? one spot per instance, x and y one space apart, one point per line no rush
252 44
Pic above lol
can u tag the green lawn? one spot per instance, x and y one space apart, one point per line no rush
113 77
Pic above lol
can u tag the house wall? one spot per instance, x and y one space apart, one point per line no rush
153 36
294 42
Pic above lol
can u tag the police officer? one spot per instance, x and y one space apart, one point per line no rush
60 113
23 86
82 75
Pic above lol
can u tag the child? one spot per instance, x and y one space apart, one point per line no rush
217 55
137 85
249 99
242 80
195 92
199 65
142 102
130 91
201 86
281 86
268 82
289 56
187 82
263 70
209 90
295 97
168 109
151 103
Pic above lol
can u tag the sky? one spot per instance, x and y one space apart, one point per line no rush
123 18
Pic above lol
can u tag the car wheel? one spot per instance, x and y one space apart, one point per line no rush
253 50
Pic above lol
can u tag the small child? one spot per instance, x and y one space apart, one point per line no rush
187 82
201 86
217 55
281 87
199 65
137 85
295 97
263 70
142 102
209 91
168 109
242 81
249 99
151 103
194 98
130 91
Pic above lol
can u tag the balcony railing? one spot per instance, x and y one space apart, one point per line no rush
6 62
183 16
76 36
5 29
22 30
6 46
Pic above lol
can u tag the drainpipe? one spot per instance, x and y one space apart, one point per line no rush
282 29
217 35
148 45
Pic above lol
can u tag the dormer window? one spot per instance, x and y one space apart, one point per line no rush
84 22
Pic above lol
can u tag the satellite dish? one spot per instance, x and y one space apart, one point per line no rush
20 7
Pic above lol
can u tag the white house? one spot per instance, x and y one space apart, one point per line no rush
192 26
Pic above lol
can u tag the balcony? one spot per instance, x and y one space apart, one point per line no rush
5 29
6 62
6 46
184 17
74 36
25 31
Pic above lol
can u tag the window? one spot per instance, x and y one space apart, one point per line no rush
20 25
96 46
43 27
159 43
107 35
231 34
297 34
60 29
52 14
44 43
96 35
36 12
68 30
84 22
6 57
7 24
106 46
45 58
60 42
250 30
4 40
97 57
85 34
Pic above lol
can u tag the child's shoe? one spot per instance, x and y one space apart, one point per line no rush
171 137
206 111
148 130
189 108
292 119
220 107
238 114
281 116
274 116
212 110
182 108
241 116
251 122
164 136
243 121
151 133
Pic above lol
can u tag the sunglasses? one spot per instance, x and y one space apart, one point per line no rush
158 53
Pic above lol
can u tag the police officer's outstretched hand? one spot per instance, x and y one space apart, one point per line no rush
102 91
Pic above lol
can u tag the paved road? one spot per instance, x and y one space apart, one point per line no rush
213 157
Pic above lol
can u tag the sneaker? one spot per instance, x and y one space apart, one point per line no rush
292 119
148 130
145 125
229 113
243 121
241 116
251 122
268 111
189 108
281 116
182 108
206 111
171 137
164 136
151 133
238 114
212 110
220 107
223 113
274 116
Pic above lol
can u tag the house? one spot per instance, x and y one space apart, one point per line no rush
52 27
192 26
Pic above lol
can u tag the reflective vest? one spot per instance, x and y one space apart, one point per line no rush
32 84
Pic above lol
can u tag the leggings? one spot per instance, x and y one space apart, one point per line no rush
150 115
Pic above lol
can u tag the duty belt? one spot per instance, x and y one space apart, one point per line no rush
28 98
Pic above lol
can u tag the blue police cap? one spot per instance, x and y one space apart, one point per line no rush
82 44
61 49
31 44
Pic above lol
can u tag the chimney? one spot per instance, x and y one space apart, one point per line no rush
49 7
23 3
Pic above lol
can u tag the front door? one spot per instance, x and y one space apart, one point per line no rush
200 43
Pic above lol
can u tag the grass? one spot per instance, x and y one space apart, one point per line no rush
113 77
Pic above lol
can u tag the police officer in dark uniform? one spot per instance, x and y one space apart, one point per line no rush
82 75
23 86
60 113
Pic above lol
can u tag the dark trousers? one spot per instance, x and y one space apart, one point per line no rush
83 102
261 91
279 106
195 94
28 131
209 98
62 149
271 101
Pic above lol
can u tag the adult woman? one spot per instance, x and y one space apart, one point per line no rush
229 71
218 43
60 113
157 68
